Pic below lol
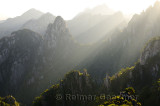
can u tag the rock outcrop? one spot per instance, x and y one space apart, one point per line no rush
75 88
18 55
76 82
57 33
107 82
151 50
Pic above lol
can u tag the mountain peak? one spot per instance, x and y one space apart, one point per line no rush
102 9
59 24
48 14
59 20
32 11
57 30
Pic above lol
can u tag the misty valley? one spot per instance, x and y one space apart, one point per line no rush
99 58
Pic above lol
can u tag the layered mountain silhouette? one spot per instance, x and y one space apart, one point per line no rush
13 24
37 49
39 25
91 25
123 48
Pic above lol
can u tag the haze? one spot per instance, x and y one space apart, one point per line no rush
69 8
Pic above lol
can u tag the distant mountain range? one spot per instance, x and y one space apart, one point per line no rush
92 25
84 27
14 24
123 47
39 25
37 49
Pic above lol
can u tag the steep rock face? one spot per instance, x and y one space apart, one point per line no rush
56 33
17 57
58 43
144 76
20 64
76 82
151 50
144 73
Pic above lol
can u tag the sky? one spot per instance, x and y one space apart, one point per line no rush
69 8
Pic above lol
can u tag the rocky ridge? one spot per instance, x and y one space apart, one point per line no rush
151 50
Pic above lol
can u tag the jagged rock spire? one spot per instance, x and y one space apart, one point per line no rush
151 49
107 81
57 32
59 24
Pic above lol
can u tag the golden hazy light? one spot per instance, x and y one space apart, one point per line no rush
69 8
